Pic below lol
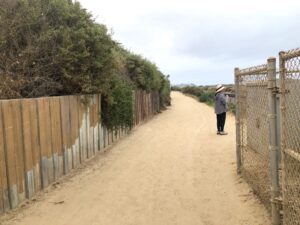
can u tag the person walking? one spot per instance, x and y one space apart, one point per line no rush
220 109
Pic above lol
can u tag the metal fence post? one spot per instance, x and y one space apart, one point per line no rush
273 143
282 79
237 119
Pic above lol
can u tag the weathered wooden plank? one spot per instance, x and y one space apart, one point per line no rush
78 129
49 141
152 103
35 145
108 133
149 105
56 131
111 136
28 154
120 132
80 125
10 152
144 106
108 137
18 139
44 136
90 122
96 123
88 125
74 130
115 135
141 107
66 133
105 136
82 118
101 136
135 108
100 122
53 127
4 199
138 106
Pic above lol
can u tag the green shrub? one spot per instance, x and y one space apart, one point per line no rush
54 47
231 108
205 94
165 92
207 97
117 106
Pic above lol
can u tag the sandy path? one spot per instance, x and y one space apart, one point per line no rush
174 170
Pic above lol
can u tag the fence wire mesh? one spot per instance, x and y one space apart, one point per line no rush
254 130
290 125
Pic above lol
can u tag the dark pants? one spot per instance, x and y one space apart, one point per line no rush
221 121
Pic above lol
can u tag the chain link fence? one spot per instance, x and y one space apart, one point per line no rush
272 171
290 125
253 121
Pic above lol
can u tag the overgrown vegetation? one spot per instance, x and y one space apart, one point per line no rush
202 93
118 111
205 94
54 47
165 93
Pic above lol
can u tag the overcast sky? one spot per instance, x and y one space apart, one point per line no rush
201 41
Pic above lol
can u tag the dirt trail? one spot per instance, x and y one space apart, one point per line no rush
174 170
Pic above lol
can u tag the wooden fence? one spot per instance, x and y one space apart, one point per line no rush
43 139
145 105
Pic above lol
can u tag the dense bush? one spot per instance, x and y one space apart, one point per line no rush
117 110
205 94
54 47
231 107
207 97
193 90
165 92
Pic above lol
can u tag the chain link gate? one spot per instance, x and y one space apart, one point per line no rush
290 138
252 104
257 131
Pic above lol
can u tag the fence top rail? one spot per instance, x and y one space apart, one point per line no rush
48 97
255 84
255 70
290 54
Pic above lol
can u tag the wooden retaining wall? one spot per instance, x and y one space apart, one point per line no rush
145 105
43 139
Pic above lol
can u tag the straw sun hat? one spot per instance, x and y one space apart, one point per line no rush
219 88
